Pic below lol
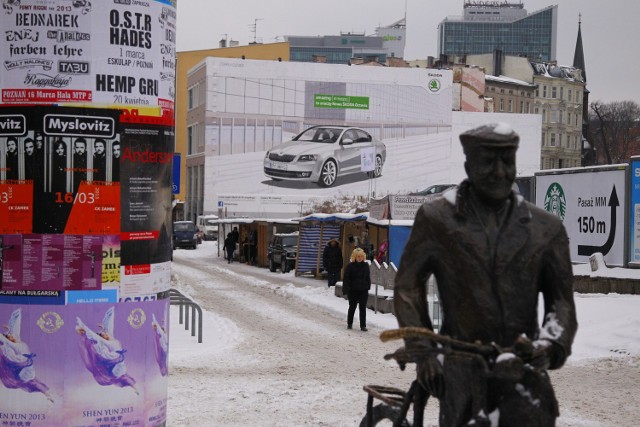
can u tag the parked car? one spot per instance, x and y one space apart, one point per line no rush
185 235
433 189
322 154
282 252
209 226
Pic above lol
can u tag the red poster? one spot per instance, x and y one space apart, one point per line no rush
16 206
96 209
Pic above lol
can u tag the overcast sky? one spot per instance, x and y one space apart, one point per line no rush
610 30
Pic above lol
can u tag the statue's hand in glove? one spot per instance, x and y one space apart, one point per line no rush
547 355
431 376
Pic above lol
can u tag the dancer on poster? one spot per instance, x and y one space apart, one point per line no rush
16 361
103 354
161 340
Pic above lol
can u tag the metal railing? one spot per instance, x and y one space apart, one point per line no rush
185 303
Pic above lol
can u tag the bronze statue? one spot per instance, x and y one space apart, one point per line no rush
492 254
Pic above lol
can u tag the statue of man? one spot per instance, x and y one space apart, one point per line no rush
492 254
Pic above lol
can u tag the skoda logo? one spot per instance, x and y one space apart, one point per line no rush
555 201
434 85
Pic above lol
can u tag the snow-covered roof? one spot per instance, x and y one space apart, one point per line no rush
548 69
399 222
505 79
251 220
334 217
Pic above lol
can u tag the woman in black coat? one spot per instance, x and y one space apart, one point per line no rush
356 285
229 247
332 261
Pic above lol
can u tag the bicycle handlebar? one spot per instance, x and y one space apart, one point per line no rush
522 348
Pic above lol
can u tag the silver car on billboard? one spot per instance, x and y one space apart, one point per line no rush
323 153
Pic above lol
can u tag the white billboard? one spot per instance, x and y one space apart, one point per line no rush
592 204
383 125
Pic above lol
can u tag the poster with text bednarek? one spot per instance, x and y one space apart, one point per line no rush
118 52
292 132
59 170
84 365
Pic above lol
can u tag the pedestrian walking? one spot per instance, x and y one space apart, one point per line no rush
356 285
229 247
332 261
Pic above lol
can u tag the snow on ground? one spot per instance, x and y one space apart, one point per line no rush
607 324
605 350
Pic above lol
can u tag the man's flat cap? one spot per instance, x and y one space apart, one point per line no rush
497 135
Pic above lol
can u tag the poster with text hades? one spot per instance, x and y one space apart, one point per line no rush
101 52
146 168
59 170
87 365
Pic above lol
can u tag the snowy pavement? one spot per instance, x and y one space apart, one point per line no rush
249 309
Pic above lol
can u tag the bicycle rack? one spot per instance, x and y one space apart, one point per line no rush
184 303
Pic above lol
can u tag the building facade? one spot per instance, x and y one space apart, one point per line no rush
190 138
490 25
387 42
510 95
556 92
559 99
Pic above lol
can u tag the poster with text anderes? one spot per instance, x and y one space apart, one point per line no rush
84 364
117 52
146 208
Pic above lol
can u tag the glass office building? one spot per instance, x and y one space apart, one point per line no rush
387 42
336 49
490 25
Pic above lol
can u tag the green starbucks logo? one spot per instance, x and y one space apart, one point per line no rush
434 85
554 200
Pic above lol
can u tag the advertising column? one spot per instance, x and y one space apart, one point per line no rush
634 214
86 146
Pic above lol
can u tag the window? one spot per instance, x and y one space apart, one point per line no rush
544 91
501 104
193 97
552 141
569 95
521 106
553 92
511 106
191 139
